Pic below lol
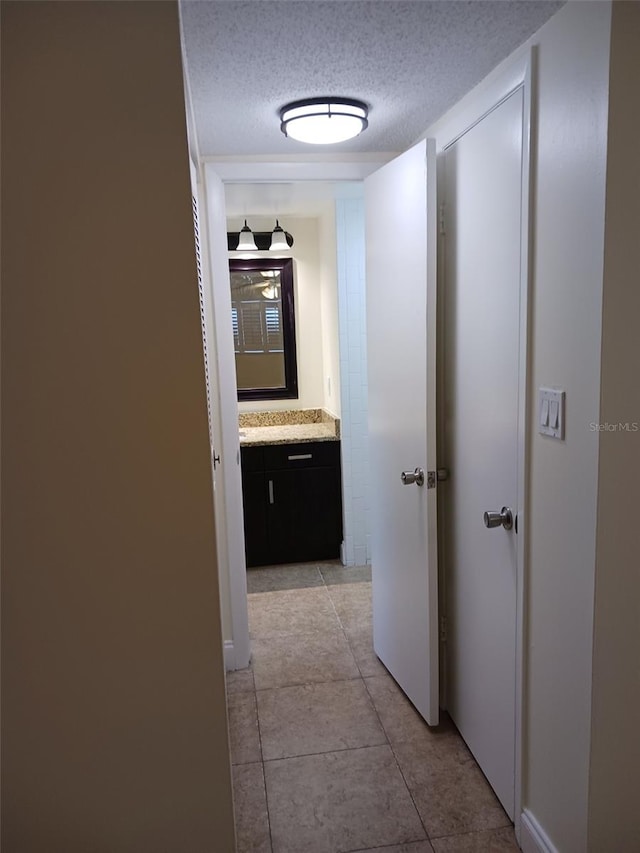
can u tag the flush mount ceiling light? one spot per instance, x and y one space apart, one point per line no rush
270 291
323 121
246 243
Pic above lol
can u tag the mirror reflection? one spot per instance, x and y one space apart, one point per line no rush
262 318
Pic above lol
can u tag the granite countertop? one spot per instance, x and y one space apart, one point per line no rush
288 427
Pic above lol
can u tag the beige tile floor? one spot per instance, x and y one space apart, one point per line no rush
328 754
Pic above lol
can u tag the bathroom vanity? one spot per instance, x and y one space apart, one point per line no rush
292 493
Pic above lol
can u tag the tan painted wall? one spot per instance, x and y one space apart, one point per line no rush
614 818
114 721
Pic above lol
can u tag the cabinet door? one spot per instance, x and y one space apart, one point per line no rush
304 514
255 496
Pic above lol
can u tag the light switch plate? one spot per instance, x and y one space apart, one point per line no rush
551 412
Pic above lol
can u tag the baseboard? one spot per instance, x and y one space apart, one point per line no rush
229 656
533 838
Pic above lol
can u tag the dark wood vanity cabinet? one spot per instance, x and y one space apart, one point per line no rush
292 498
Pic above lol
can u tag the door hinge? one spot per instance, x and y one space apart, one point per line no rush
441 221
434 477
443 629
216 460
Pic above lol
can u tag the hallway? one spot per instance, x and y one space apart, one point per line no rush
328 755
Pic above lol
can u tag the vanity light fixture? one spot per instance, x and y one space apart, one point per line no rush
246 243
278 239
323 121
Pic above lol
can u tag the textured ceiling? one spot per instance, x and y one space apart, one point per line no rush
410 61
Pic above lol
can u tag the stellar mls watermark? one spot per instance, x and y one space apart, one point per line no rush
621 426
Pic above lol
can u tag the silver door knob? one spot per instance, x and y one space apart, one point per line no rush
409 477
504 518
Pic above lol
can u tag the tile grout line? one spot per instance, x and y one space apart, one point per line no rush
389 744
415 805
360 677
264 778
395 758
346 637
325 752
306 683
386 846
309 683
266 803
343 632
472 832
371 702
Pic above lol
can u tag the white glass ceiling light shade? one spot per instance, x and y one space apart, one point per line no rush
246 243
323 121
270 291
278 240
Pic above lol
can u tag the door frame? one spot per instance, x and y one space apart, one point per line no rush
516 73
249 170
228 494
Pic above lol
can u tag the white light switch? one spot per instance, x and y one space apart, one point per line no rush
544 413
551 412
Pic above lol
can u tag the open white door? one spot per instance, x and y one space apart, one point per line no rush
401 229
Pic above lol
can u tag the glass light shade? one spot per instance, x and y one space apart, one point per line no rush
323 121
270 291
246 243
278 240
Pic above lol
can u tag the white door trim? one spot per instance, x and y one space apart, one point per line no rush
228 502
255 170
470 110
533 838
237 650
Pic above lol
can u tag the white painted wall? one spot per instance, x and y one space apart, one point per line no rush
567 314
569 157
314 290
614 817
329 310
353 368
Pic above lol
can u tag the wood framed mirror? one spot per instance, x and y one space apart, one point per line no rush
264 334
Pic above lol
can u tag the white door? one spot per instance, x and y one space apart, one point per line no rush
400 207
482 343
